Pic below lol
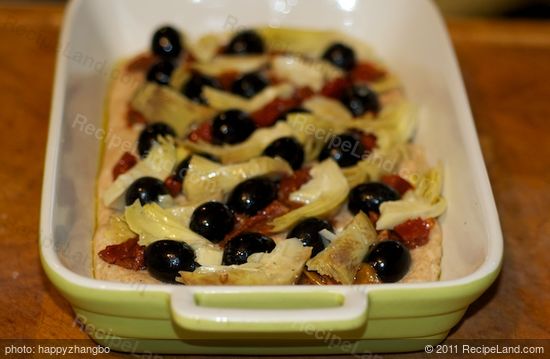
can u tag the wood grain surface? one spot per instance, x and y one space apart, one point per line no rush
506 68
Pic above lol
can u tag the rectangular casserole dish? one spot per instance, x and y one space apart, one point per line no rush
411 37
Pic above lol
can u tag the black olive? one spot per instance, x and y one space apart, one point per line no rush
232 126
166 43
288 149
193 87
346 149
360 99
160 73
245 43
212 220
390 259
166 258
149 135
308 232
368 197
146 189
239 248
181 169
252 195
341 56
249 85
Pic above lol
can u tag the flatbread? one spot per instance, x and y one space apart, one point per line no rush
426 260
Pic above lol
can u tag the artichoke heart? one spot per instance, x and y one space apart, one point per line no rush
311 131
304 72
371 168
246 150
323 194
342 258
164 104
206 179
206 47
223 100
282 266
424 202
153 223
330 110
395 125
222 64
311 43
158 164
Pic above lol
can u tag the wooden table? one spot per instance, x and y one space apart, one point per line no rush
506 67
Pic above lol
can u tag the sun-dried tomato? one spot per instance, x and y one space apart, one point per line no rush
415 232
133 117
129 255
126 161
367 72
258 222
173 186
141 63
267 115
336 87
368 141
292 183
398 183
373 216
203 133
227 78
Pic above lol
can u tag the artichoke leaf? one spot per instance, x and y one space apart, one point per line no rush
328 190
223 100
304 72
164 104
153 223
311 43
159 163
117 230
179 77
429 185
207 46
345 253
312 132
330 110
206 179
395 125
378 163
393 213
223 64
283 266
252 147
424 202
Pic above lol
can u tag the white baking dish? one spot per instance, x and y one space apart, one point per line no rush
410 35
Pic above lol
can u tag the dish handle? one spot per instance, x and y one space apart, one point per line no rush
268 309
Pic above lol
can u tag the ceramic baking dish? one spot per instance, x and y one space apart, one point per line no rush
411 37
